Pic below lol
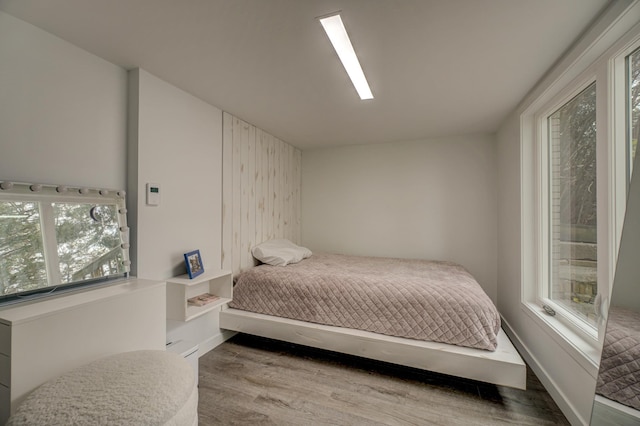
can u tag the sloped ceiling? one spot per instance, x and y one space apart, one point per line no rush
436 67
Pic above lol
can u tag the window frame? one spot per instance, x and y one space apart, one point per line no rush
543 205
543 199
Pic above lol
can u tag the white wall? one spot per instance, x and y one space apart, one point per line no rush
62 111
175 140
432 199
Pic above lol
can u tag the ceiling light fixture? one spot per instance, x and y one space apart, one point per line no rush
337 33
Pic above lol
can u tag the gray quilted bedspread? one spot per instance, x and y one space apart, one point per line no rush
619 375
416 299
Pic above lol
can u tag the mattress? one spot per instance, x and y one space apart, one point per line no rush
416 299
619 375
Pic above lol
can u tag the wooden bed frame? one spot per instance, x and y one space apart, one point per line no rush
502 367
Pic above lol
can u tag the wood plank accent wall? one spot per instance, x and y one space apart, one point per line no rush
260 191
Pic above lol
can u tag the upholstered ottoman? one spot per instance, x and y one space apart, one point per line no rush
132 388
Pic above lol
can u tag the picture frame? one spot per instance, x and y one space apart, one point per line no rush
193 262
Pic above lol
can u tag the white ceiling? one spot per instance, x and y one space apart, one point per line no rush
436 67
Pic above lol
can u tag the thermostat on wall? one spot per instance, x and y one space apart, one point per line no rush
153 194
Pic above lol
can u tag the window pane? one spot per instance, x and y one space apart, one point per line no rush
572 128
634 104
88 239
22 263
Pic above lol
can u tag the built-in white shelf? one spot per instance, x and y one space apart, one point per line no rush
181 288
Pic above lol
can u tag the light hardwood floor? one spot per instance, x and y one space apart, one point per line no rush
250 380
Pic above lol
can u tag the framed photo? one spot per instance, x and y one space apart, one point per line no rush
193 261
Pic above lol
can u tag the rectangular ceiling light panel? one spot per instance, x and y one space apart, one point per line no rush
340 39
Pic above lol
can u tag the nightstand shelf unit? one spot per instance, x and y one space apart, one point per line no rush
179 289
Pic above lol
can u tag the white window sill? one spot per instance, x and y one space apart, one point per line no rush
585 352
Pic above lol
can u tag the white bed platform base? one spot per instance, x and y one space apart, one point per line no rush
502 367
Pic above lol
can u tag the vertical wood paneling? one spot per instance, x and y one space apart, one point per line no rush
258 186
227 192
283 188
297 183
261 201
251 196
236 195
245 188
290 166
264 175
277 196
285 191
273 169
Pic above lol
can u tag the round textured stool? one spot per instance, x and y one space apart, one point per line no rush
131 388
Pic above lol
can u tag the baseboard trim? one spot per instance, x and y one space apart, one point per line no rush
567 408
214 341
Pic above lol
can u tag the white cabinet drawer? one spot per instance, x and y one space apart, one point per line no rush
5 370
5 340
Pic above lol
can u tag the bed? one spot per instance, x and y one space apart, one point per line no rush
425 314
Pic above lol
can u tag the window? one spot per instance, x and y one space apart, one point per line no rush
573 203
578 142
55 236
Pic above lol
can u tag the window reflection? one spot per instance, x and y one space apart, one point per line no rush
88 240
22 262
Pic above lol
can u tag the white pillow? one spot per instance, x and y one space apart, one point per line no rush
279 252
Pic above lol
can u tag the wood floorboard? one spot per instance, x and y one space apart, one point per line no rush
252 380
